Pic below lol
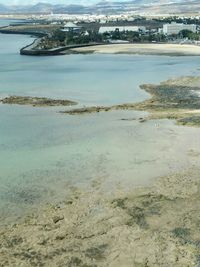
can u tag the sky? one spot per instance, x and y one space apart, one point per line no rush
28 2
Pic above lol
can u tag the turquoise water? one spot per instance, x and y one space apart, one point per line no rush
43 152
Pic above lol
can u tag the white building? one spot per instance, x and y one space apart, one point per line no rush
104 29
175 28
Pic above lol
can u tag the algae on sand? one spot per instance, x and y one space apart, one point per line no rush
145 227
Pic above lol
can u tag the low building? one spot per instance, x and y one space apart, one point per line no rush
71 27
105 29
175 28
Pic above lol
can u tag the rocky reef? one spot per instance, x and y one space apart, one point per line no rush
36 101
177 99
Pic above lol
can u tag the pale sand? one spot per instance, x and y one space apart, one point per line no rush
152 49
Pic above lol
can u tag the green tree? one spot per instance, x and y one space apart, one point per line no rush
59 35
185 33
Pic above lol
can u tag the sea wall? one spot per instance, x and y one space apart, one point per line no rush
28 32
31 51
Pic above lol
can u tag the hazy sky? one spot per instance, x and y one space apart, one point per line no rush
28 2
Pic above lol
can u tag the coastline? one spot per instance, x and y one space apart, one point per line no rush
164 49
168 49
131 49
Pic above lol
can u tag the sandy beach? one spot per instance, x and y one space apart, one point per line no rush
146 49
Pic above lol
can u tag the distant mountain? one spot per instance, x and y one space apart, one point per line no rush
109 7
43 8
40 8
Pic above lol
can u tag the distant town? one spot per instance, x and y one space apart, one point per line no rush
58 31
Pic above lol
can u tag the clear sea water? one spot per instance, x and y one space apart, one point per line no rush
43 152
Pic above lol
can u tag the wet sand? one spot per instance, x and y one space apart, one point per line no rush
143 49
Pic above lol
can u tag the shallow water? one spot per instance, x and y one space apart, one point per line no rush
42 152
88 79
